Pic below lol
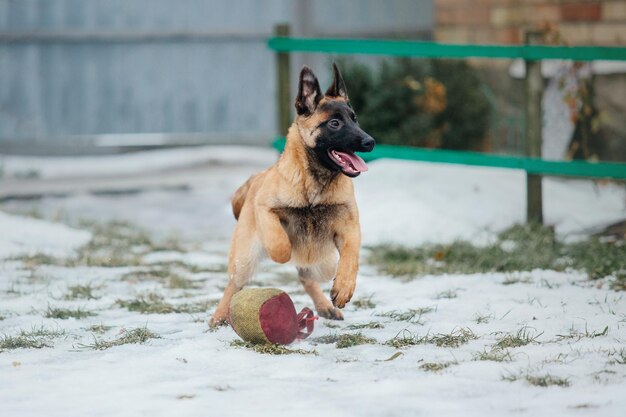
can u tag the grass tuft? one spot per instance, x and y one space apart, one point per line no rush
436 366
342 341
523 337
135 336
370 325
35 338
405 339
538 381
412 315
270 349
84 292
454 339
364 303
495 355
576 334
67 313
482 318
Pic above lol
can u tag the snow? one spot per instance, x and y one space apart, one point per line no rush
440 203
191 371
128 164
26 236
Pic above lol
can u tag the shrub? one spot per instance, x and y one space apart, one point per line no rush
429 103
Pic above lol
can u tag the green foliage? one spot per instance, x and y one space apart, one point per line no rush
433 103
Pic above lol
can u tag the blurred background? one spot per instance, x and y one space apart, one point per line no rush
144 72
88 76
122 103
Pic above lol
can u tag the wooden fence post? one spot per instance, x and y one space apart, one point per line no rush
534 123
283 81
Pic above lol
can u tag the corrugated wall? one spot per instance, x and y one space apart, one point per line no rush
91 67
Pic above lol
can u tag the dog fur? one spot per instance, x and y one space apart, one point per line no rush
303 209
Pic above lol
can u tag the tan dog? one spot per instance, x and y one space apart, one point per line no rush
303 207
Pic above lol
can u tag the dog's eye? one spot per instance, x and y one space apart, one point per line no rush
334 124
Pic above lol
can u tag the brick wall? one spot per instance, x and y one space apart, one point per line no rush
581 22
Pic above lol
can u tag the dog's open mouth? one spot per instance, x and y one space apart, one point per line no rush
350 163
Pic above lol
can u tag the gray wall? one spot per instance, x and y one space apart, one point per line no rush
91 67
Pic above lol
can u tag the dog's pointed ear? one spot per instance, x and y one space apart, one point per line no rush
309 92
338 87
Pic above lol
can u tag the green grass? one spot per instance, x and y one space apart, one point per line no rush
454 339
405 339
35 338
343 341
36 260
482 318
412 315
155 304
520 248
135 336
523 337
539 381
270 349
495 355
67 313
84 292
363 303
436 366
577 334
370 325
178 282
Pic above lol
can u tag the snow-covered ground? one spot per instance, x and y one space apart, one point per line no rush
192 371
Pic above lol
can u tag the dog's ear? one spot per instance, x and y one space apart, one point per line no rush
338 87
309 92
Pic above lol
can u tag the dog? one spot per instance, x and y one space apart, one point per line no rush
303 209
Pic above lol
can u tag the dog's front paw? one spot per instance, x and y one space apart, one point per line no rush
220 318
342 291
330 312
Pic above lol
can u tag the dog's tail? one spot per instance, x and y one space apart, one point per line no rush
239 198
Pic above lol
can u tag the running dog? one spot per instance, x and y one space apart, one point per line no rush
302 209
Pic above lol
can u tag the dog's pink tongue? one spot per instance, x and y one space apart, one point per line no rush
357 162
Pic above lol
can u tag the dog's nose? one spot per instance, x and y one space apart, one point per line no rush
368 143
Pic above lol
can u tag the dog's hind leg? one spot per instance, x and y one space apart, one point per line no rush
310 278
243 258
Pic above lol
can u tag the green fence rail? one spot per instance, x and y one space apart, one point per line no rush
440 50
606 170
